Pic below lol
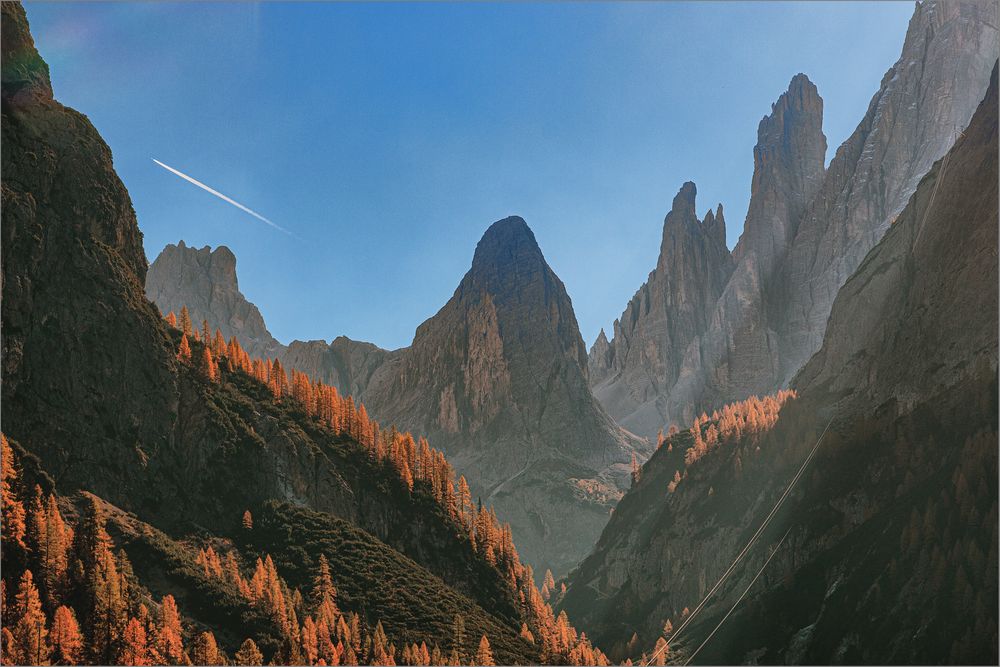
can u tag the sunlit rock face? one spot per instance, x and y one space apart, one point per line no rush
498 378
807 229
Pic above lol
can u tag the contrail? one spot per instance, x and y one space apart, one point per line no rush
222 197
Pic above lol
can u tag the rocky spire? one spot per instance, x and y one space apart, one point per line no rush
715 225
788 170
599 358
669 311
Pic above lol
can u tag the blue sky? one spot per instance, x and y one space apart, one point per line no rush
388 137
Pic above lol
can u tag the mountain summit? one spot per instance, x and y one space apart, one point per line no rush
205 282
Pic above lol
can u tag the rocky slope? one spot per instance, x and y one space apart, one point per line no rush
807 228
890 554
93 390
498 379
205 282
631 375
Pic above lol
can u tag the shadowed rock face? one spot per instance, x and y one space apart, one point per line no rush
808 229
72 264
894 521
498 378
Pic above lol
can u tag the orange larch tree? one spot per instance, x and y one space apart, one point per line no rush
67 642
29 628
184 350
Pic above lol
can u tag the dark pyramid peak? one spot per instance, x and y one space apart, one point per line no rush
503 235
506 254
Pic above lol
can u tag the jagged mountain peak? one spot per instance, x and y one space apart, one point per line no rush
715 225
801 93
801 97
602 338
204 280
221 261
498 379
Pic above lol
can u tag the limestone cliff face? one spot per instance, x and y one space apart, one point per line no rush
893 521
632 374
737 355
498 378
205 281
921 309
924 103
807 229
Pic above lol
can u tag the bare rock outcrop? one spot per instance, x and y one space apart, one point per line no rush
807 229
698 328
632 374
204 280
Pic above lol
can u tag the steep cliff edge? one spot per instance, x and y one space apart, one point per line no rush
924 103
890 554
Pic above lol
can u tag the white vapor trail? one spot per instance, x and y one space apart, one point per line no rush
222 197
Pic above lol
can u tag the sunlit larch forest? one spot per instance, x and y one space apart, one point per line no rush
70 596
